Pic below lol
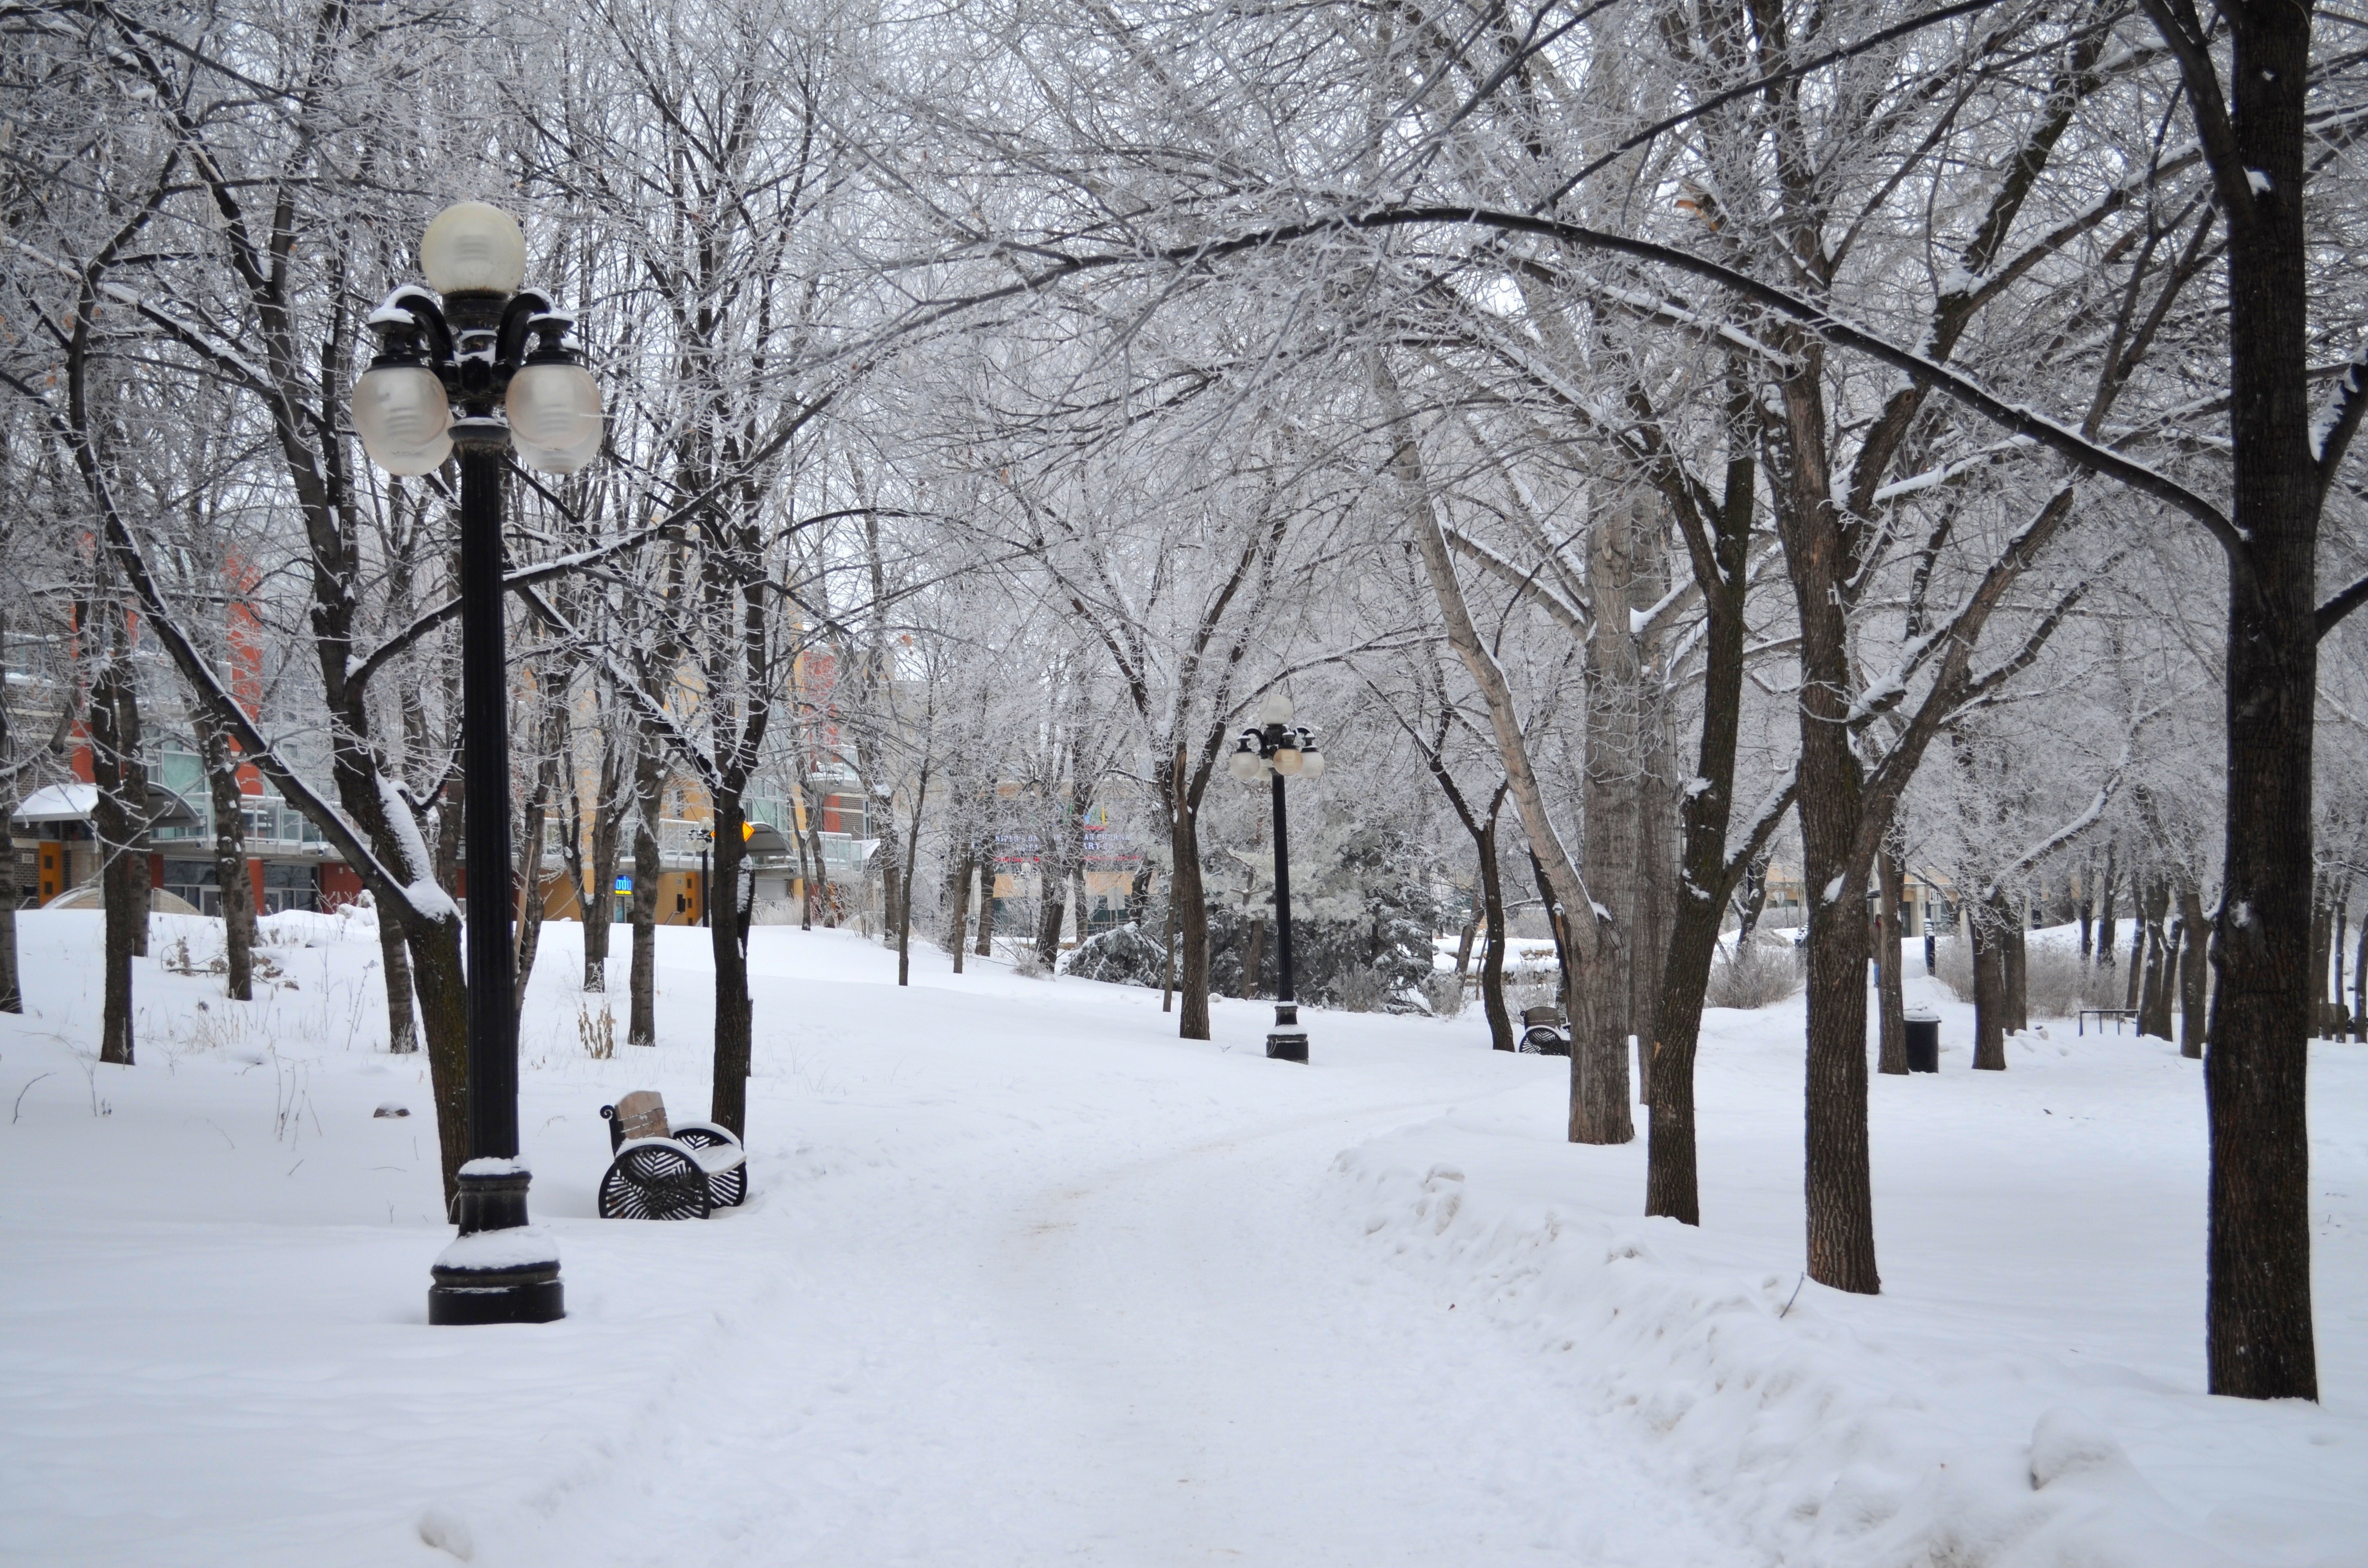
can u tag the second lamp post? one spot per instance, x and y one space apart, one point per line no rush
1277 751
470 349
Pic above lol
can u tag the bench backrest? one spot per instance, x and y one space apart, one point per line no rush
1530 1018
642 1114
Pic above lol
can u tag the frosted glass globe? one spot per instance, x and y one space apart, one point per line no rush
554 414
401 414
1287 760
412 465
473 248
1311 764
1244 765
1275 710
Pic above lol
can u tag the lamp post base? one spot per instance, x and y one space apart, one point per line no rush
469 1298
1289 1041
500 1269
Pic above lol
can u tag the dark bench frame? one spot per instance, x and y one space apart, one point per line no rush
681 1172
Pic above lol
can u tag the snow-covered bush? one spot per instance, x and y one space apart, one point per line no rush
2056 984
1124 955
1445 992
1759 976
1362 988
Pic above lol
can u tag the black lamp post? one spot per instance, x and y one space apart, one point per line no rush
1277 751
469 347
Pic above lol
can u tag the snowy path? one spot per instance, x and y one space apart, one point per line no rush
1166 1357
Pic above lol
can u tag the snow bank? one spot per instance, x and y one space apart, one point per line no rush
1830 1436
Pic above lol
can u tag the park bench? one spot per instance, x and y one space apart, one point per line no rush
1544 1033
2101 1015
658 1172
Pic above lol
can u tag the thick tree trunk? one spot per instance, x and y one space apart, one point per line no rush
233 884
728 1107
1891 1052
1611 859
1253 958
2194 972
649 865
2162 960
2260 1335
1831 810
984 947
1657 910
1986 924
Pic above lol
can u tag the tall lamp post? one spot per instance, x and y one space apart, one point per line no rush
444 367
1277 751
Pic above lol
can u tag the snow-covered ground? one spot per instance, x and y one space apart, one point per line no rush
1025 1279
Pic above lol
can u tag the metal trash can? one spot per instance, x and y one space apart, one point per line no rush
1923 1041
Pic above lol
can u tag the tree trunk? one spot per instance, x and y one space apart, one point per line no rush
649 865
2330 1003
527 860
912 861
1658 804
1613 855
1672 1184
2322 940
114 739
600 902
2014 968
1191 902
1253 958
12 995
1168 962
1891 1054
2359 986
958 903
2108 925
2087 912
394 959
1751 899
728 1107
1985 922
2132 993
986 878
2155 1017
2193 972
233 883
1492 957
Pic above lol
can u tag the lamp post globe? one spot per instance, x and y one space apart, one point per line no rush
1277 752
455 377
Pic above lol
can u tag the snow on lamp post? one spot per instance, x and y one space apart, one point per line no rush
1275 750
447 362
